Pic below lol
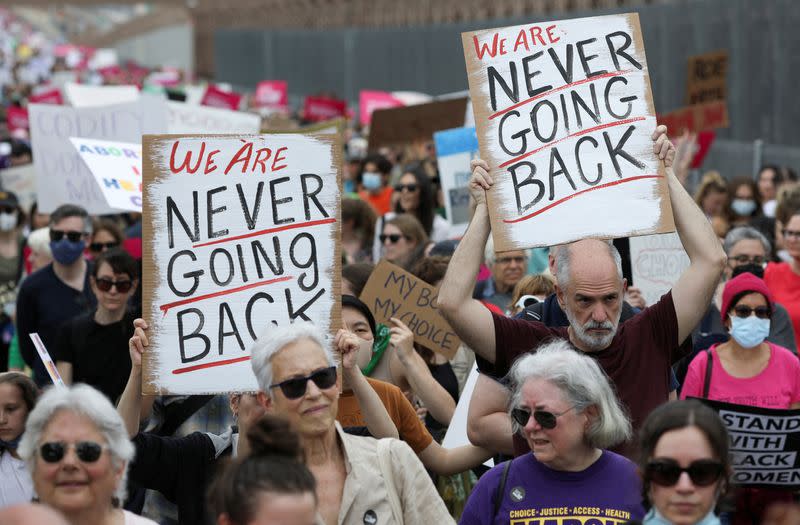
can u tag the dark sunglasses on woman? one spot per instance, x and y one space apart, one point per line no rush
296 387
666 472
744 311
546 420
87 451
99 246
392 237
411 188
105 284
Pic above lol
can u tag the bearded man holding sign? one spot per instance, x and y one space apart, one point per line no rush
636 355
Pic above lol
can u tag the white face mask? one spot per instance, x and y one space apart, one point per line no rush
8 221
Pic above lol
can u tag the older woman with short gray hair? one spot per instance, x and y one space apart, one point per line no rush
564 406
78 451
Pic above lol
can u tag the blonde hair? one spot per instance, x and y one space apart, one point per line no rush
711 181
540 284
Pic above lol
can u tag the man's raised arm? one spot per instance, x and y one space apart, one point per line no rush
470 319
693 291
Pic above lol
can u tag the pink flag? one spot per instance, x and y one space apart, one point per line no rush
369 101
217 98
273 94
17 118
51 96
317 109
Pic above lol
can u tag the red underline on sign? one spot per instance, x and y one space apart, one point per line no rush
165 307
267 231
560 88
573 135
210 365
560 201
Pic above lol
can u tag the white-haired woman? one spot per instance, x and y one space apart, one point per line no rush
565 408
358 481
78 451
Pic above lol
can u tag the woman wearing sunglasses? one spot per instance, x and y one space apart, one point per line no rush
18 395
684 464
106 235
92 348
77 451
747 370
564 406
403 240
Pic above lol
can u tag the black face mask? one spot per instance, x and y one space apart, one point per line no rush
755 269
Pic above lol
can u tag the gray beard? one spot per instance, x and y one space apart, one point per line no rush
593 342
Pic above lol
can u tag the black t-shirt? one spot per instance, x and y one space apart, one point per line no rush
98 353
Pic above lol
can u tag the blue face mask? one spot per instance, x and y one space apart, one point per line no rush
749 332
10 445
371 180
349 186
67 252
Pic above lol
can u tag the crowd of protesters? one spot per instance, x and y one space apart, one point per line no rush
581 399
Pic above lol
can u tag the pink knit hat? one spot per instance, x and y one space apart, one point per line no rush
744 282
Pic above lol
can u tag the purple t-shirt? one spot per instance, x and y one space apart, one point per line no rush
607 493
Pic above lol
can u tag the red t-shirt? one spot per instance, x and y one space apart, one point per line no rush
637 361
785 287
380 202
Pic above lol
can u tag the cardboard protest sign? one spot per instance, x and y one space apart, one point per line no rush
187 118
83 96
272 94
117 168
22 181
323 108
455 148
657 262
393 292
564 116
369 101
61 175
218 98
699 117
240 232
409 124
706 79
764 445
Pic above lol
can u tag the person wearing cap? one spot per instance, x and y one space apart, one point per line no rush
747 370
12 243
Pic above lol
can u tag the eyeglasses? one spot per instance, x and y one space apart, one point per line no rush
546 420
666 472
794 234
746 259
411 188
99 246
519 259
105 284
87 451
57 235
296 387
392 237
744 311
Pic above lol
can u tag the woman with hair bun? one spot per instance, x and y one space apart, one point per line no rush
270 486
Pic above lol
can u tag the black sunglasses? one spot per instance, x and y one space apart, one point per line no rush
666 472
392 237
99 246
545 419
296 387
57 235
7 209
87 451
744 311
105 284
409 187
